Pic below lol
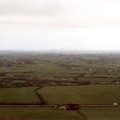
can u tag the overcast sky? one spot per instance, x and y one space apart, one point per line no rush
60 25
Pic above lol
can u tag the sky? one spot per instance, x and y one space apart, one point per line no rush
40 25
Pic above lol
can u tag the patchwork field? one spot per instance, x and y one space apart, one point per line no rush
85 94
30 78
90 67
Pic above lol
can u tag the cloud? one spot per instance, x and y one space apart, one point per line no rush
28 7
60 24
59 7
59 12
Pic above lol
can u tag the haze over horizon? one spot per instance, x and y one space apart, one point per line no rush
66 25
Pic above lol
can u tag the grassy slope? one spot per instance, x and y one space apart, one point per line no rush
38 114
88 94
49 114
102 113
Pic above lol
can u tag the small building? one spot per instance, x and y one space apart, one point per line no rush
68 107
115 104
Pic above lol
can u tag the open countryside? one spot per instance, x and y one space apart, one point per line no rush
44 86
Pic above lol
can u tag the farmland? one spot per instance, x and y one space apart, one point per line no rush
86 94
79 67
18 95
33 85
102 113
51 114
36 114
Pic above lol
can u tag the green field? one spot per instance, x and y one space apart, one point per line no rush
51 114
101 113
86 94
18 95
36 114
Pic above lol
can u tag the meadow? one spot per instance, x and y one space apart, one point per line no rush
52 114
21 113
85 94
18 95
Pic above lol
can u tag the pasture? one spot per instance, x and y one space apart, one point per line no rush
21 113
18 95
34 113
85 94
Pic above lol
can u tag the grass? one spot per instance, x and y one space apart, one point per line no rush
52 114
87 94
18 95
18 81
102 113
37 114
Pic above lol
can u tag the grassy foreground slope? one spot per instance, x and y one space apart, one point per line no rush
102 113
51 114
36 114
86 94
18 95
